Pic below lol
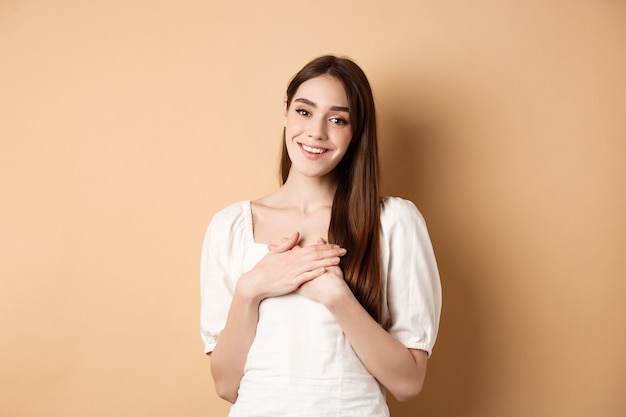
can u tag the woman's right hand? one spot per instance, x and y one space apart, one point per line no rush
287 266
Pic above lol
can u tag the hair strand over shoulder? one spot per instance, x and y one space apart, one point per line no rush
355 214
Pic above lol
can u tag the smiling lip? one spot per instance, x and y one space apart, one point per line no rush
312 152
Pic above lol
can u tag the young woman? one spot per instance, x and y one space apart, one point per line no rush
322 296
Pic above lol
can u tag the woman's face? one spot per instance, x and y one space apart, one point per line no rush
318 129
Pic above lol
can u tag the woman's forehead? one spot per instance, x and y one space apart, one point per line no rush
323 90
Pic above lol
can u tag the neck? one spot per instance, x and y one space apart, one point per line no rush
308 193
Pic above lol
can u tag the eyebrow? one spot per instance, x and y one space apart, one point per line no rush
312 103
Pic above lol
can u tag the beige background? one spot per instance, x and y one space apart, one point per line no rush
125 125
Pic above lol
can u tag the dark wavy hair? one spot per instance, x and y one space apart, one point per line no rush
355 214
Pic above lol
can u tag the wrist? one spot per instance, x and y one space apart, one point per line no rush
337 297
246 290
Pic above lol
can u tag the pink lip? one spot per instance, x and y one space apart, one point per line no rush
311 155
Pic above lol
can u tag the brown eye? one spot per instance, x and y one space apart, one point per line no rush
339 121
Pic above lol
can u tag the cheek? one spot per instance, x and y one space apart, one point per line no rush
292 127
347 138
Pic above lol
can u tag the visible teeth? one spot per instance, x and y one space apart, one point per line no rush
312 150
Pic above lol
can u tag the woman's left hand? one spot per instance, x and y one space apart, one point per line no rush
326 289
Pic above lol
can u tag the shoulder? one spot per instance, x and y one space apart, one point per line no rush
231 213
398 211
232 218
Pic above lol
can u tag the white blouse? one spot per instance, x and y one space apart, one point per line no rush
300 362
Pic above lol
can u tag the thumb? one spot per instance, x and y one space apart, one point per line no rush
286 244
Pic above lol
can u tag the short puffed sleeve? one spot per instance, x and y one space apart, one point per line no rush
220 267
410 276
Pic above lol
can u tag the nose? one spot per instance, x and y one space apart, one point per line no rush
317 128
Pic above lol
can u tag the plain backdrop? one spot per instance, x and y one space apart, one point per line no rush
125 125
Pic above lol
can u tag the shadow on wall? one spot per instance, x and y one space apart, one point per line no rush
415 161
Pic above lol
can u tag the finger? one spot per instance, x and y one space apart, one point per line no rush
287 244
320 264
319 257
326 251
310 275
273 246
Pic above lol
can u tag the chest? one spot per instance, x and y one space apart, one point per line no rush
272 226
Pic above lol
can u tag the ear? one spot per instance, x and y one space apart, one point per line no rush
285 110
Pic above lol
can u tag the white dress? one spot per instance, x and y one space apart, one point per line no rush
300 362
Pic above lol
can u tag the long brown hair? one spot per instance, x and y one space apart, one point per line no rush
355 214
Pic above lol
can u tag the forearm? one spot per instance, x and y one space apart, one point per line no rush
280 272
229 356
400 370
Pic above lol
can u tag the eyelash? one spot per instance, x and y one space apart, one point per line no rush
334 120
339 121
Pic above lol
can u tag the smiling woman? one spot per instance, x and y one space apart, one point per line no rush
317 126
321 296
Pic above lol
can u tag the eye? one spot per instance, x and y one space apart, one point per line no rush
303 112
338 121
